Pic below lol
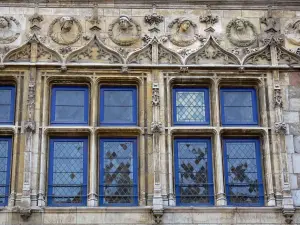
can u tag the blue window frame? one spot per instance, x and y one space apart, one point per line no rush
191 106
118 106
67 177
243 172
69 105
7 104
118 172
193 172
239 106
5 162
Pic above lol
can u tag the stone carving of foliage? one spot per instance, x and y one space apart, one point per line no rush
96 52
286 57
241 32
143 56
260 57
212 53
166 56
22 54
65 30
46 54
9 29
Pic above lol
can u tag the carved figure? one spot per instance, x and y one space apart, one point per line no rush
8 29
183 32
241 33
124 31
65 30
292 32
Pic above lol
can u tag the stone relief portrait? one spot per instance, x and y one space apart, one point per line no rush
182 32
241 32
124 31
65 30
9 29
292 32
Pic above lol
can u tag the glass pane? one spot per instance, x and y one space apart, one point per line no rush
3 164
118 172
190 114
67 195
69 113
118 98
238 114
3 148
190 99
66 149
4 112
237 98
118 114
2 191
5 97
3 175
65 97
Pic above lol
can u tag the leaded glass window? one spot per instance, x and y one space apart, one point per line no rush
239 106
191 106
69 105
5 162
118 106
243 173
7 104
193 172
118 172
67 184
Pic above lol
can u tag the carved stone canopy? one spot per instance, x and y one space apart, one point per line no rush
65 30
124 31
241 32
9 29
183 32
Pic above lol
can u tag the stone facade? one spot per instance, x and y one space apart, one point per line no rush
154 48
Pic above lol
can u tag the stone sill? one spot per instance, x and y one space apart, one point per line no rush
222 209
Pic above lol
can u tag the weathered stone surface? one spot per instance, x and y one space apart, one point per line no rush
289 142
291 117
297 144
294 92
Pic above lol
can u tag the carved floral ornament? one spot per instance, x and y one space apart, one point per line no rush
65 30
241 32
183 32
124 31
9 29
292 32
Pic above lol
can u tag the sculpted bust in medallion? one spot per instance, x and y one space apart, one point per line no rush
292 32
6 31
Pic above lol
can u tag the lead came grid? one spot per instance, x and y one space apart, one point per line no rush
118 181
4 171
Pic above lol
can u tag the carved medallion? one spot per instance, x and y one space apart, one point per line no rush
292 32
124 31
65 30
241 33
183 32
9 29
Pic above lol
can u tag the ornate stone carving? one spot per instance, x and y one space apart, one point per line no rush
270 22
166 56
95 19
95 52
259 57
123 52
209 20
144 56
158 214
65 30
154 20
288 213
184 69
292 32
241 32
183 32
124 31
156 127
65 50
29 126
280 128
35 21
45 54
155 95
278 98
212 53
9 29
286 57
184 52
22 54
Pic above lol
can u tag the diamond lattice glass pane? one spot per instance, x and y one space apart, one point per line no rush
70 98
68 171
238 114
190 107
193 172
118 98
118 172
237 98
243 181
117 114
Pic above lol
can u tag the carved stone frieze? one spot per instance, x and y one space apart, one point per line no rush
124 31
9 29
95 52
259 57
166 56
212 53
144 56
292 32
286 57
45 54
65 30
183 32
22 54
241 32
